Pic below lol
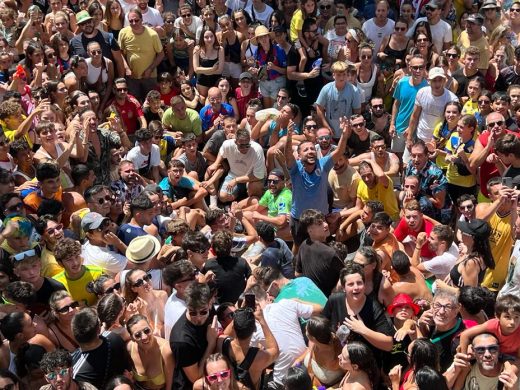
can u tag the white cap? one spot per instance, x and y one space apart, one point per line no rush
436 72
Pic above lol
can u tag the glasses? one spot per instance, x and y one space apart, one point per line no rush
107 198
53 375
485 101
218 375
198 313
422 40
134 21
400 29
170 21
95 52
428 8
185 16
365 57
379 146
468 207
515 9
121 89
438 307
325 6
14 207
139 282
66 309
243 146
50 55
23 255
378 106
452 55
139 334
115 287
493 124
54 229
358 125
9 386
482 350
417 68
273 181
324 138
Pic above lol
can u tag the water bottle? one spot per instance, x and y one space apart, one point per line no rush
317 64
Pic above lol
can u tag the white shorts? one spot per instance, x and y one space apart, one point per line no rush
232 70
270 88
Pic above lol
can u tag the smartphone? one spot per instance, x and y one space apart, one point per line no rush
507 182
250 301
273 290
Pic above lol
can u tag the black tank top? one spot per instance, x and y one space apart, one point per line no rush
232 51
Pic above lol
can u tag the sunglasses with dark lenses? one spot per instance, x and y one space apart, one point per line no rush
452 55
325 6
66 309
469 207
273 181
95 52
198 313
14 207
218 375
54 229
53 375
482 350
400 29
115 287
140 282
139 334
493 124
311 126
378 106
416 68
515 10
365 57
121 89
482 102
185 16
107 198
324 138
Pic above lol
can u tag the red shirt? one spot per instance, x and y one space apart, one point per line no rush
402 231
129 112
165 98
487 170
242 101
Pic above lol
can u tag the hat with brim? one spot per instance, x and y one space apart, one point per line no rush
489 4
436 72
142 249
403 300
82 17
92 221
433 4
260 31
475 18
478 228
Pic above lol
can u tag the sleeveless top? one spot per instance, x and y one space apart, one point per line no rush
369 85
232 51
157 380
456 276
324 375
397 54
93 73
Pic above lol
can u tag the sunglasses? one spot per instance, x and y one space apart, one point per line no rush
493 124
378 106
170 21
139 282
218 375
198 313
53 230
422 39
53 375
107 198
482 102
365 57
115 287
273 181
66 309
324 138
452 55
400 29
139 334
428 8
515 10
311 126
23 255
416 68
96 52
185 16
121 89
482 350
358 125
14 207
327 6
469 207
134 21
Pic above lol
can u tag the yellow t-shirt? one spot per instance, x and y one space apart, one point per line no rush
501 244
10 134
296 24
440 141
50 266
481 43
382 194
77 288
470 108
140 50
452 173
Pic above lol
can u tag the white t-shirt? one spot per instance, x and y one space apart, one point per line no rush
127 6
243 164
151 18
441 33
441 265
141 161
432 112
112 262
173 310
235 4
262 17
282 318
196 23
376 33
336 43
512 285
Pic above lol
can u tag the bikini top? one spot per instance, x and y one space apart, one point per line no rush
158 380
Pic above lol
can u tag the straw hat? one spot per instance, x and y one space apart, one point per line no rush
260 31
142 249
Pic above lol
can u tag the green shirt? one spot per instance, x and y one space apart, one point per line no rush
190 124
303 289
277 205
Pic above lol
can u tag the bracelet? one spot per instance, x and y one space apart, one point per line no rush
417 248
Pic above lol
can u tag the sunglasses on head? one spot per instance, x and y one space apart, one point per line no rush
23 255
218 375
140 282
115 287
139 334
66 309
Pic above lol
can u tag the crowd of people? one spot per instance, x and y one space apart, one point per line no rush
278 195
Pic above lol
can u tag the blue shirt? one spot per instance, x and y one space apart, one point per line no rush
405 93
338 103
432 178
310 189
127 232
181 190
207 116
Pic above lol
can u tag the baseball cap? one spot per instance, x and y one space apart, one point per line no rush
92 221
245 75
436 72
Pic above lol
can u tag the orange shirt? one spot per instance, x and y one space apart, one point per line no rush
34 200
